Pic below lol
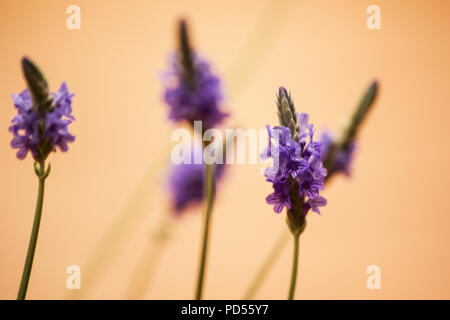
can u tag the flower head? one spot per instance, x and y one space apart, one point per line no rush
297 174
41 126
193 92
186 183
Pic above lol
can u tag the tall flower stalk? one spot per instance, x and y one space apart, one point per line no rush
337 155
297 174
40 127
194 94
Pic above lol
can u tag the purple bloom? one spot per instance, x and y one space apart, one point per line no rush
197 97
341 158
296 164
41 133
186 181
280 198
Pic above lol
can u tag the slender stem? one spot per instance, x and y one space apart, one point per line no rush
294 267
34 235
267 265
209 198
146 267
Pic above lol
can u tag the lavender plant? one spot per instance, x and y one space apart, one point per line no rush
40 127
194 93
337 154
297 174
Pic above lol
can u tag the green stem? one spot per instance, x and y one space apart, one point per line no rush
34 235
209 197
294 267
267 265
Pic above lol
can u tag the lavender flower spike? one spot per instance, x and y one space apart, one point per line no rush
193 92
42 120
298 174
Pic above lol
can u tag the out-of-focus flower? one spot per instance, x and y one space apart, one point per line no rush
194 102
186 184
186 181
341 159
192 91
41 124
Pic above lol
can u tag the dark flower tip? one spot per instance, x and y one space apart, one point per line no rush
360 114
36 82
282 91
184 39
186 53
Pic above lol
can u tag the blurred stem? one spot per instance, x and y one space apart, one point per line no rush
257 45
294 267
209 199
146 267
267 265
42 175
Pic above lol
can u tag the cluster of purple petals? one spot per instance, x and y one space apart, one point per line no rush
295 161
200 101
32 130
186 185
342 158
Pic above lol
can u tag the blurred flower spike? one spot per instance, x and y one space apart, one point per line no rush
192 91
338 153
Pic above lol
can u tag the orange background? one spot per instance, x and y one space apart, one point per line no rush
394 211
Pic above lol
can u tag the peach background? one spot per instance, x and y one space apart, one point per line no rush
394 212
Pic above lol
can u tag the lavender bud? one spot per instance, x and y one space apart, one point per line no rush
360 114
286 112
338 153
186 54
37 84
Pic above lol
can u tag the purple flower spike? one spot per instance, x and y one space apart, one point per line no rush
299 161
297 174
192 92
